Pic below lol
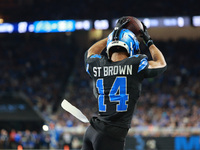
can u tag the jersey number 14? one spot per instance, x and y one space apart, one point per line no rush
118 93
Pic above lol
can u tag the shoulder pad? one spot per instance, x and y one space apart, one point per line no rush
142 56
139 57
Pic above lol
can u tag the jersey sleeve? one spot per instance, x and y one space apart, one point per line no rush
146 72
150 73
90 62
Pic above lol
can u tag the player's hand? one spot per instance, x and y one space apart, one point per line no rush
146 37
121 22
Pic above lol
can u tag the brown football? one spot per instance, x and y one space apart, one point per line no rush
134 25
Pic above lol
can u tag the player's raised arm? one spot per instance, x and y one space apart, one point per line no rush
157 56
97 47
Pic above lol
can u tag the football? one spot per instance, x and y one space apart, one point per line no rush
134 25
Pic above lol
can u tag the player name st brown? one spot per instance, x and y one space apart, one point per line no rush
112 70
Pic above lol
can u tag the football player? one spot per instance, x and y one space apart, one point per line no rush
117 81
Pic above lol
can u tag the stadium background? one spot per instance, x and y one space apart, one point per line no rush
38 70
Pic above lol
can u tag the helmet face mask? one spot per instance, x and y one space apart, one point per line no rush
126 39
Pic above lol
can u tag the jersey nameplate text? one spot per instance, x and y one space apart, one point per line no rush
112 70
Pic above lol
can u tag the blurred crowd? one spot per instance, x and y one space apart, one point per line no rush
167 101
27 139
49 68
16 139
31 10
173 98
38 66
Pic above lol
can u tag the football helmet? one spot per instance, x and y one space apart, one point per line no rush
123 38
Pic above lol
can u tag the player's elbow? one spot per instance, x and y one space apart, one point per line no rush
157 64
163 67
163 64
